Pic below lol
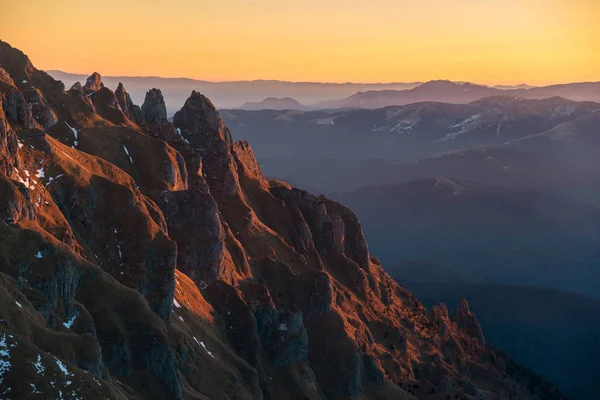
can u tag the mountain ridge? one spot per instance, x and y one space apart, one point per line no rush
154 260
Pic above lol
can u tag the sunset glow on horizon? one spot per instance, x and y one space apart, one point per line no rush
537 42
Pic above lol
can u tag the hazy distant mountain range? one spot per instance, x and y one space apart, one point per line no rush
414 130
279 95
230 94
457 93
550 144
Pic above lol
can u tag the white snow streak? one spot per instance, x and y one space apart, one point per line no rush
201 343
70 322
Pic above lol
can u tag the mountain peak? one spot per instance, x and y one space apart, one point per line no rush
274 103
77 87
132 111
154 109
15 62
199 114
93 83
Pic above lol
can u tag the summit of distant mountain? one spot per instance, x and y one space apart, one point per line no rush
274 103
512 87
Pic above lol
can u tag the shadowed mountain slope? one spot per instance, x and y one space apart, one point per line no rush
494 234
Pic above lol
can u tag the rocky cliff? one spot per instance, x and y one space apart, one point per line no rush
144 259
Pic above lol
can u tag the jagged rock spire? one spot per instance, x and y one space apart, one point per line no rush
467 322
153 116
41 111
200 123
93 83
5 78
5 156
154 109
200 118
14 104
77 87
132 111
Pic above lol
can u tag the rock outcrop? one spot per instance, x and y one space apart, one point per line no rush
154 115
8 146
154 109
14 104
132 111
77 87
40 110
467 322
93 83
200 124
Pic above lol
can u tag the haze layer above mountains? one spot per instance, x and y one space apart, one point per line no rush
232 94
281 95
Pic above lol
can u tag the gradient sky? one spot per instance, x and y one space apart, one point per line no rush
483 41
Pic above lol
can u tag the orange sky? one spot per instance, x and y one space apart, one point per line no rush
483 41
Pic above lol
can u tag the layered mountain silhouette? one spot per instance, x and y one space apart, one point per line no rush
578 138
318 95
147 259
231 94
410 131
461 92
548 144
